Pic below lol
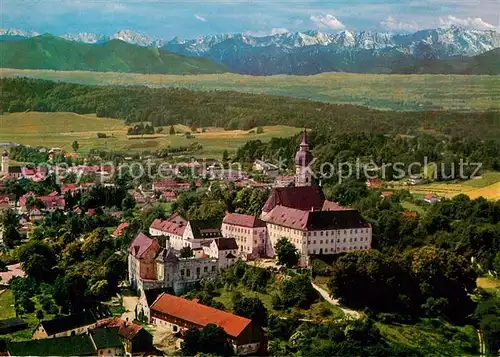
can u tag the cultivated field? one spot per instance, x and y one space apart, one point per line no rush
61 129
394 92
487 186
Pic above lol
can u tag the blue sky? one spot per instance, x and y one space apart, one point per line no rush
166 19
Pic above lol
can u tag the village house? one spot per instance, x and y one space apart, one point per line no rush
75 324
266 168
7 201
225 250
51 202
178 315
120 230
432 198
136 340
183 233
93 343
249 232
152 265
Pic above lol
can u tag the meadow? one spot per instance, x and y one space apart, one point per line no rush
61 129
390 92
487 186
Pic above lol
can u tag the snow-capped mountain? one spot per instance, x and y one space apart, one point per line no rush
17 33
128 36
312 52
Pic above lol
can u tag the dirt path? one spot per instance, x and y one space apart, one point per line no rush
351 313
482 347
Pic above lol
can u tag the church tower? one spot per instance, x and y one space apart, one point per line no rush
303 157
5 163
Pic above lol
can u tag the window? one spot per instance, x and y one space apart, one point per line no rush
355 239
182 272
198 270
205 269
321 242
188 272
314 233
338 240
326 241
326 233
321 233
213 267
356 231
314 242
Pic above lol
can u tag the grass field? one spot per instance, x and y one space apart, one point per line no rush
487 186
395 92
61 129
433 338
7 305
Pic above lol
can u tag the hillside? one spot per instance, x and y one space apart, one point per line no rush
487 63
50 52
387 92
234 110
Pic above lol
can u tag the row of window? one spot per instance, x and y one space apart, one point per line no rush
238 229
343 249
345 232
198 270
338 240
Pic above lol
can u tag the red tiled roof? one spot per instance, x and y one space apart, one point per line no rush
410 214
333 206
12 271
141 244
303 198
200 315
175 224
315 220
387 194
119 230
126 329
69 187
243 220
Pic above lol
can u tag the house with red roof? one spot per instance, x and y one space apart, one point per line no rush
319 232
225 250
169 196
183 233
52 202
136 339
153 264
118 232
250 234
178 315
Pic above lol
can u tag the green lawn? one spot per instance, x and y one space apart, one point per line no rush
61 129
7 305
433 338
395 92
321 310
409 206
7 311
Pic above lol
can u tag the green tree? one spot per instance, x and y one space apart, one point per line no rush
11 236
39 315
172 130
211 340
286 253
75 146
253 308
38 260
260 130
186 252
225 156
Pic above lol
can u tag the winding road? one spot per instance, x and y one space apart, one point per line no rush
351 313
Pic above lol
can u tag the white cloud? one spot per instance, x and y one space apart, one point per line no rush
470 22
201 18
279 30
274 31
392 24
327 21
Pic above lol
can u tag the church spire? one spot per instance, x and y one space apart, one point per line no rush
303 158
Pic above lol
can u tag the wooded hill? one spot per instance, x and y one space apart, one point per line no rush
233 110
50 52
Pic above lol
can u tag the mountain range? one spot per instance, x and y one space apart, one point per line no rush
442 50
50 52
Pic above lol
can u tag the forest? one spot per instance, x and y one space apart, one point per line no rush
233 110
